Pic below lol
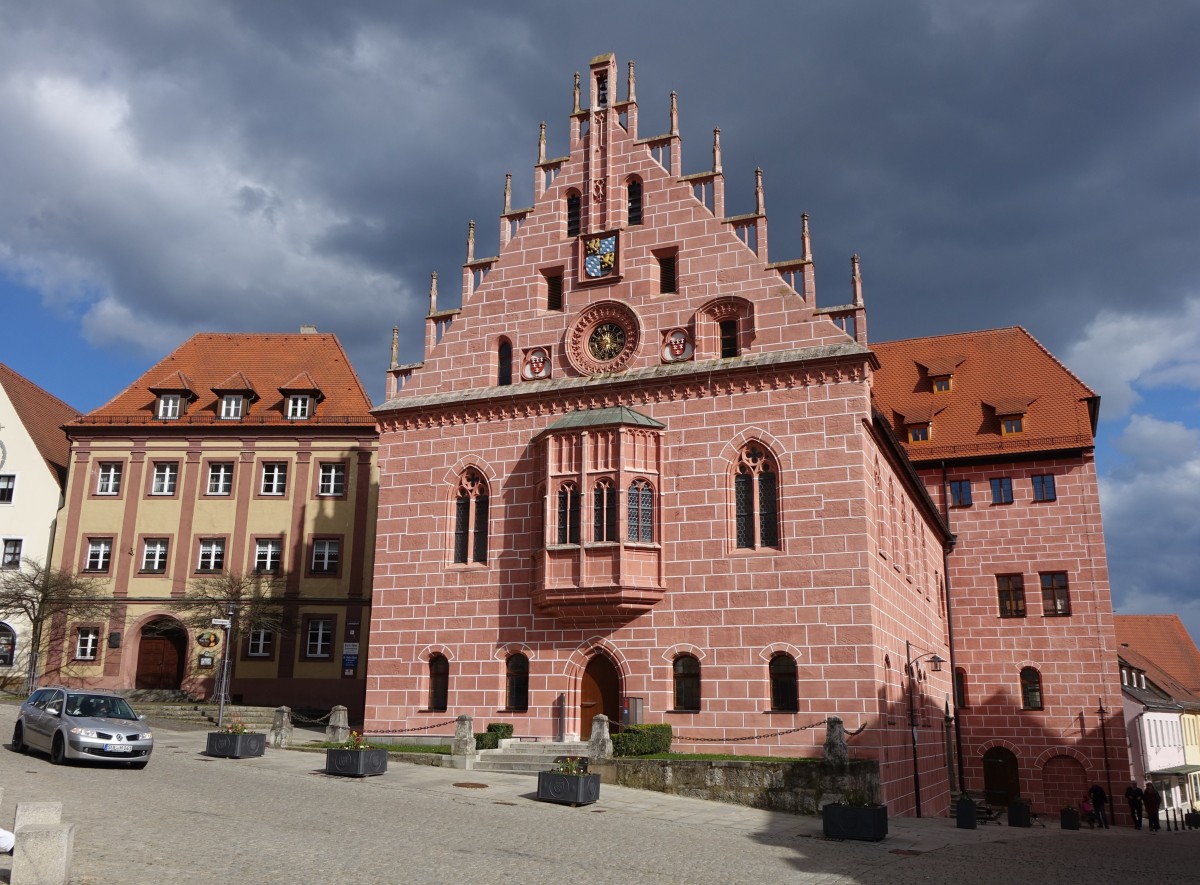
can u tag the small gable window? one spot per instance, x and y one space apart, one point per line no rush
918 433
504 364
169 406
1012 424
233 406
634 193
729 338
573 214
940 383
299 406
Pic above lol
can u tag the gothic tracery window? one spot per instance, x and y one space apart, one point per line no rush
640 509
604 511
756 498
568 514
471 518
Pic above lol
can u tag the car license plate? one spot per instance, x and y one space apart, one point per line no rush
118 748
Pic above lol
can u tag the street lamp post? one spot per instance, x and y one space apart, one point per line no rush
223 682
1103 714
909 662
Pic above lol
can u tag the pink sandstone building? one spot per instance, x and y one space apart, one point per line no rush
641 472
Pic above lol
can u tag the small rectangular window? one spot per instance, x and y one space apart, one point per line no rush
918 433
274 478
212 555
8 482
326 552
1002 490
108 480
154 555
1043 487
99 554
87 642
166 476
666 274
554 291
573 212
232 405
1056 596
941 383
332 482
299 407
1012 424
960 493
634 191
267 555
729 338
220 478
1011 592
169 406
260 643
11 557
319 638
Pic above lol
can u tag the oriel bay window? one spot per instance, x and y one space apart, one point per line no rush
471 518
641 511
568 514
604 511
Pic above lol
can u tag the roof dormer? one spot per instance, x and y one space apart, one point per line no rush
173 393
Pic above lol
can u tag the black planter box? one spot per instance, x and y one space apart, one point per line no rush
355 763
867 823
235 746
1068 819
1019 814
1191 820
568 789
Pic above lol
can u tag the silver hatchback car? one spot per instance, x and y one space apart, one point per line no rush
71 723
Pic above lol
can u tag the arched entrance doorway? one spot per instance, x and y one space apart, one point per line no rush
1001 777
600 692
162 650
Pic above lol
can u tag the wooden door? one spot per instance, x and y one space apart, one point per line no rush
160 661
600 692
1001 777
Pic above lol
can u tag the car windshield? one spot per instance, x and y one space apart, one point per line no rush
100 705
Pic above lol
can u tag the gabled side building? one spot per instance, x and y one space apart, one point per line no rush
237 455
33 474
1003 437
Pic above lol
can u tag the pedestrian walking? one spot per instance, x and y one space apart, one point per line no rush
1153 801
1133 795
1099 800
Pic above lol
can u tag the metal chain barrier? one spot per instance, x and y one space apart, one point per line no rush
296 717
754 737
407 730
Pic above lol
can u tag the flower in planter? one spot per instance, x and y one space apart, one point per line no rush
356 741
237 726
574 765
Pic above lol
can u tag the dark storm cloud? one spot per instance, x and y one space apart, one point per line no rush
176 166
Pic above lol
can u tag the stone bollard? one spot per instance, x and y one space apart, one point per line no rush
600 744
281 729
462 751
30 814
43 855
338 729
836 751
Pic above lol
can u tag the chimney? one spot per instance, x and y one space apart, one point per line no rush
306 329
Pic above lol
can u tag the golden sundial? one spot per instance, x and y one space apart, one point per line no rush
606 342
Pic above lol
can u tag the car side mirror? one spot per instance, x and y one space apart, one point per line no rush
141 717
54 711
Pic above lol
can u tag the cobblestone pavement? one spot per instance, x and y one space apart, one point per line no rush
278 819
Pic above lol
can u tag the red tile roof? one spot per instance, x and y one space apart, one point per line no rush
992 373
267 364
1165 641
43 415
1160 677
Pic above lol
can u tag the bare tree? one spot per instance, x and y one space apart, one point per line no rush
38 593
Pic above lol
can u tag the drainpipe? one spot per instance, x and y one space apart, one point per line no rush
946 551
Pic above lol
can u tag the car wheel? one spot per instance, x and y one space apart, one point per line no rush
58 750
137 766
18 739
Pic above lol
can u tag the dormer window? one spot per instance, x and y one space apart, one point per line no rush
940 383
233 406
918 433
169 406
1012 424
299 406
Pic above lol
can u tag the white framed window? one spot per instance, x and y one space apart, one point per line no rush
233 406
108 480
332 481
320 638
299 406
99 554
220 478
166 476
8 645
8 484
11 557
87 643
274 478
169 406
259 644
268 552
326 552
154 555
212 555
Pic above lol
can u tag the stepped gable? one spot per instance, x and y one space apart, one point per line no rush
43 416
621 244
267 365
1164 640
992 374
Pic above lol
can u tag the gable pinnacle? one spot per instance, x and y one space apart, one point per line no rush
760 204
542 143
856 281
507 192
805 241
433 293
630 87
674 113
395 346
716 150
470 241
576 110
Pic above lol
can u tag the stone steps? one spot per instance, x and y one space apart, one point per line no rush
528 757
256 718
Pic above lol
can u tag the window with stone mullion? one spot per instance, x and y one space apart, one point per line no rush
604 511
568 514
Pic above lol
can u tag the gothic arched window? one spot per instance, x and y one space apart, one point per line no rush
687 683
504 363
756 498
604 511
517 678
1031 689
641 511
785 696
471 518
439 683
568 514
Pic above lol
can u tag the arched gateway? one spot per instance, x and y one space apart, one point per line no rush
162 651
